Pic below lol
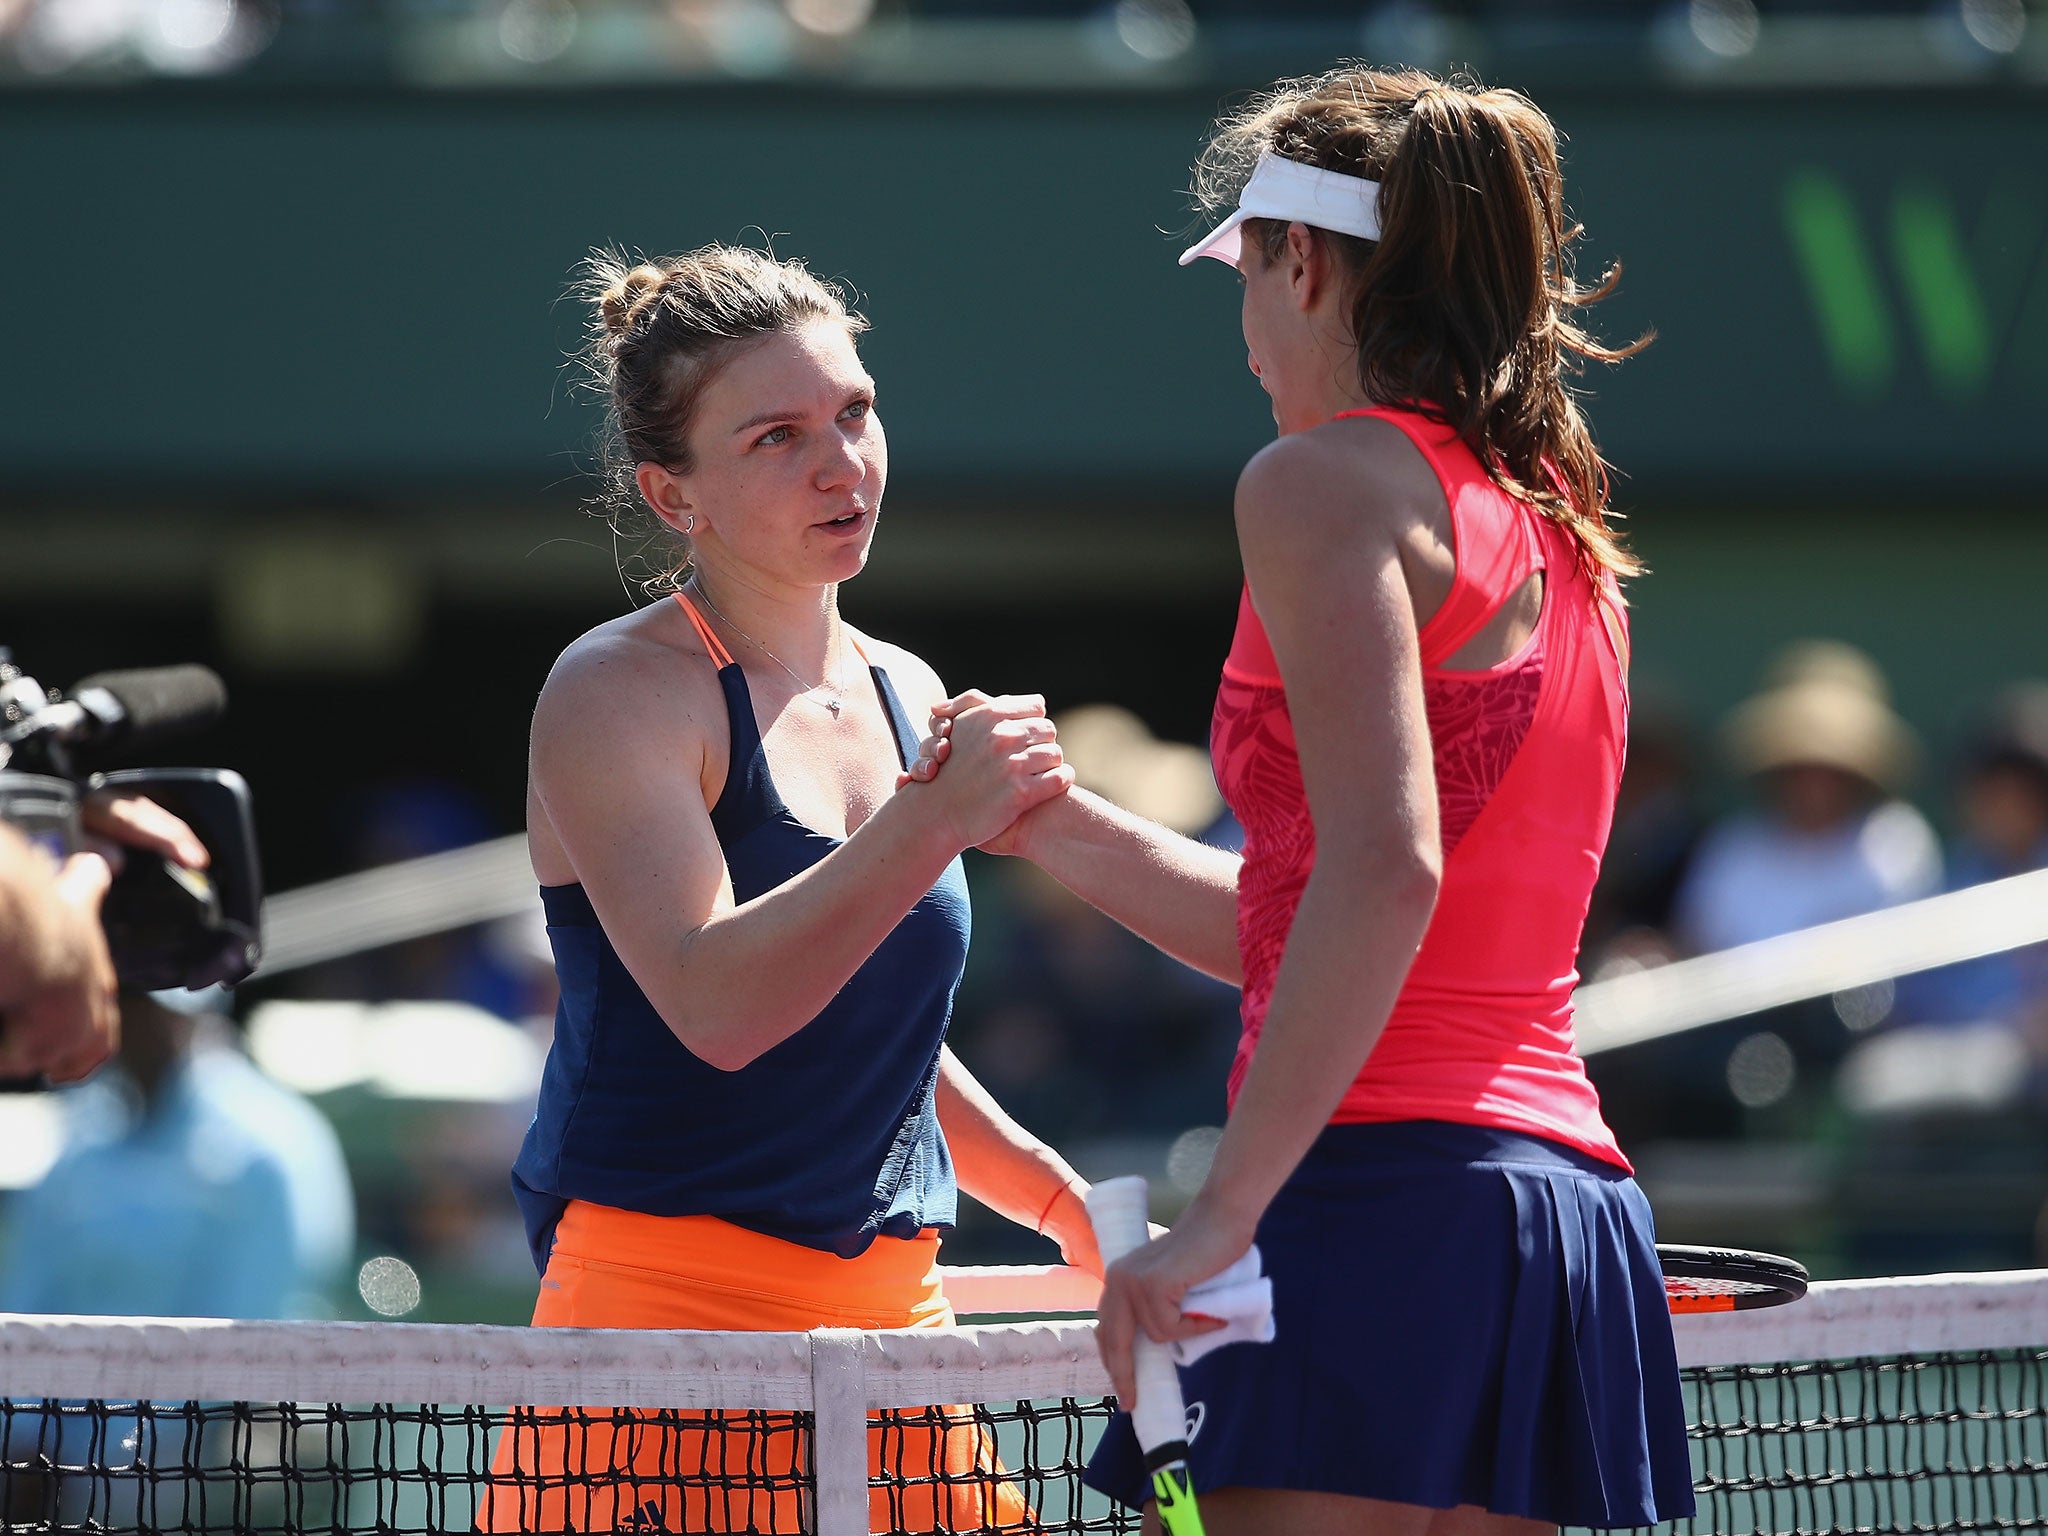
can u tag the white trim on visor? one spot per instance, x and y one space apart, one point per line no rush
1289 190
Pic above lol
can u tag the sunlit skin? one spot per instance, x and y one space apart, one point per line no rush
1344 534
779 504
1347 551
1297 339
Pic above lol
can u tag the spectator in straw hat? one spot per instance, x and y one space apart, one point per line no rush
1828 837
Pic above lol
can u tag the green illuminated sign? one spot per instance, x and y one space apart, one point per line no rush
1975 306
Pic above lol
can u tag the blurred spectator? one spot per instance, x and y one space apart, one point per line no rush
1946 1100
392 823
1657 826
1828 838
2001 830
189 1185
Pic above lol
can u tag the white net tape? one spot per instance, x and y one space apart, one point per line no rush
838 1375
654 1368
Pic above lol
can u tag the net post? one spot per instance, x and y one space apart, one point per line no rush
839 1437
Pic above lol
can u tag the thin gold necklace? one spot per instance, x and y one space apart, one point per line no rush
836 691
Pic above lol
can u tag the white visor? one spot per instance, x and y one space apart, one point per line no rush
1293 192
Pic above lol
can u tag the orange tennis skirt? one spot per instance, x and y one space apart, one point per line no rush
606 1469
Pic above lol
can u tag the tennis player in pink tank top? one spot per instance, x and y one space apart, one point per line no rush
1420 725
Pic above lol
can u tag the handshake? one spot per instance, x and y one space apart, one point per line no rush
991 762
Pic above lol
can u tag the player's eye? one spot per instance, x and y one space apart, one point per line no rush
772 437
859 410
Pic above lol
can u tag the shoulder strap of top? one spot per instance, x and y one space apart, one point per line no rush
711 641
1493 541
908 739
716 646
749 796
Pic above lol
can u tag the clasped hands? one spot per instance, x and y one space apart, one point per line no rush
1001 761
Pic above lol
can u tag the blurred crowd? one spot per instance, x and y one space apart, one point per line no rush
1822 830
210 1186
753 39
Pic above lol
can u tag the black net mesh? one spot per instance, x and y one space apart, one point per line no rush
1932 1443
88 1466
1911 1443
1024 1473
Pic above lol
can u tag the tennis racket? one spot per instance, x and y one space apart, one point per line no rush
1117 1208
1727 1279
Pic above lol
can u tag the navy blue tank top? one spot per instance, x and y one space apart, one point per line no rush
829 1139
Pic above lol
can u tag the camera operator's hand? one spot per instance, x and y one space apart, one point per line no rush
57 1013
58 1016
117 816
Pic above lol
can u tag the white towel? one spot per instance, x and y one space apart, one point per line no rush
1242 1296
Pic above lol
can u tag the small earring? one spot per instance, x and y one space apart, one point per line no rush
690 523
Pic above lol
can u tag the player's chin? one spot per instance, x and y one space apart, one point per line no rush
844 560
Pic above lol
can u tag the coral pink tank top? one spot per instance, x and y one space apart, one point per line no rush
1527 755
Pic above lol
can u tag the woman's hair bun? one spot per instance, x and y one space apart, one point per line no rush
657 331
622 300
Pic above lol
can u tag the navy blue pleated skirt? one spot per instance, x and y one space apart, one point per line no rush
1465 1316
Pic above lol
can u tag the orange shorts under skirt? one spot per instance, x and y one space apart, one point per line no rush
602 1469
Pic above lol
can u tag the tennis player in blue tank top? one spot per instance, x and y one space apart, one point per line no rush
749 1117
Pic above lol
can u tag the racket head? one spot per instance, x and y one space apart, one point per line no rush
1727 1279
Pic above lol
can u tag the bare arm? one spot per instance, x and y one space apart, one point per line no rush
1344 632
617 738
1173 892
1011 1171
1326 575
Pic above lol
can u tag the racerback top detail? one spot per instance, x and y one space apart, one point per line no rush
830 1138
1527 757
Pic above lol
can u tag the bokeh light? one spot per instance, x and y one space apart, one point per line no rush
1761 1070
389 1286
831 18
1155 30
1864 1008
1188 1160
1997 25
1729 28
537 31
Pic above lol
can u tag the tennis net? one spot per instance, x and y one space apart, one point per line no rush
1896 1405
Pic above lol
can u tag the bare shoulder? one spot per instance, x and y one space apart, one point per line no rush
643 674
1357 476
916 684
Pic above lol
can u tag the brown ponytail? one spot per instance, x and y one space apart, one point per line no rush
1464 304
